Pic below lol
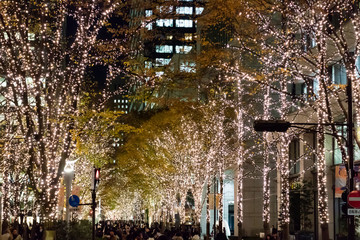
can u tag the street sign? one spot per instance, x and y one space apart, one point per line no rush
74 209
354 199
353 211
74 201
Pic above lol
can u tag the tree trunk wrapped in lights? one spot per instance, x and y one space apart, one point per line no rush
42 78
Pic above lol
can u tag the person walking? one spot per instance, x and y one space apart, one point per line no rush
16 235
6 235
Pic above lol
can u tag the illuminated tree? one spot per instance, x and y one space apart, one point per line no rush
309 45
46 48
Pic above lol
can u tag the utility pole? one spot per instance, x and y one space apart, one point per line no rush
350 143
96 180
93 207
215 191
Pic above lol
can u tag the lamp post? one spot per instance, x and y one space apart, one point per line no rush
283 126
350 143
1 202
68 177
95 183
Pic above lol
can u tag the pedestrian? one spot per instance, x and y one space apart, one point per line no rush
113 236
177 236
16 235
268 237
221 236
6 235
39 233
274 232
196 236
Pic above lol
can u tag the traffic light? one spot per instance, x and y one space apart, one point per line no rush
97 175
95 178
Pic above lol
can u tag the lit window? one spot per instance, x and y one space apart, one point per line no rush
338 74
159 74
199 10
294 155
187 67
148 64
164 49
31 36
149 26
315 86
162 61
165 9
148 13
183 49
184 23
188 36
164 22
115 101
169 37
184 10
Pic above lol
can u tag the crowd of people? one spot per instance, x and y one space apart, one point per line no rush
18 231
113 230
130 231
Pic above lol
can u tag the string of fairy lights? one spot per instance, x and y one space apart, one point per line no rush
41 87
292 54
42 75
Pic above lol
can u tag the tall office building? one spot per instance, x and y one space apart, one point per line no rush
168 40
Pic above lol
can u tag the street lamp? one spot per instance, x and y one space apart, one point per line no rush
283 126
1 201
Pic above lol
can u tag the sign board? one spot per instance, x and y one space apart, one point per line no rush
73 209
354 199
74 201
353 211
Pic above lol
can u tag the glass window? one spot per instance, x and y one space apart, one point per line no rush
149 26
184 10
338 74
165 9
199 10
162 61
184 23
187 67
342 131
164 48
31 36
316 86
164 22
183 49
188 36
148 13
294 155
159 74
148 64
